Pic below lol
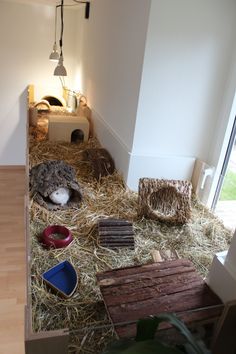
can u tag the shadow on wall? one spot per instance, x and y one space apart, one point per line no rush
13 151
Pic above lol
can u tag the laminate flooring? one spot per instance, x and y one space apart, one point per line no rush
12 261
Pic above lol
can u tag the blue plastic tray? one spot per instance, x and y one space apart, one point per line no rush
63 278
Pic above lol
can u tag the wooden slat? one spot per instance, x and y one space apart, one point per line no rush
183 301
114 238
144 276
190 319
150 293
164 255
171 280
114 222
124 271
115 233
118 245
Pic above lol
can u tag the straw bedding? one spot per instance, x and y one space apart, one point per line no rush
198 240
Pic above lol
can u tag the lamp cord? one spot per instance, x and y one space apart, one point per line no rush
55 29
62 25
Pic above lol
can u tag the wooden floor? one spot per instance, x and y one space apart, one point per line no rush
12 261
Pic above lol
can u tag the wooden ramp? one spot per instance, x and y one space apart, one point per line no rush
171 286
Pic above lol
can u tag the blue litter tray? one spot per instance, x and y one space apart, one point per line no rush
63 278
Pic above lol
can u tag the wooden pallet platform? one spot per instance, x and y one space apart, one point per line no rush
116 233
171 286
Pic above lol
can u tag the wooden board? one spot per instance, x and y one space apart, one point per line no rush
171 286
116 233
46 342
12 259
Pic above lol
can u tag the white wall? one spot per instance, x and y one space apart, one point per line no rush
26 36
186 65
155 78
188 52
111 68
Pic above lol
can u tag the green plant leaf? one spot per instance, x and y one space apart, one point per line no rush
177 323
145 343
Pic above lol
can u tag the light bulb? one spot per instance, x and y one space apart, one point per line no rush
54 56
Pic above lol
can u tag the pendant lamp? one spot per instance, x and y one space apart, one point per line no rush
60 70
54 56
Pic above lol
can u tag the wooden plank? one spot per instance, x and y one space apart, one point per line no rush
147 268
224 338
156 257
148 293
113 238
30 94
117 244
48 345
114 228
46 342
164 255
179 302
114 222
171 280
191 319
115 233
120 245
127 242
144 276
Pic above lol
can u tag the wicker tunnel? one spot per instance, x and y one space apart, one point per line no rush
165 200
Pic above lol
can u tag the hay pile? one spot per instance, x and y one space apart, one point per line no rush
198 240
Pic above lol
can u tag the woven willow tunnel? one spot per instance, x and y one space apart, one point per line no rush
165 200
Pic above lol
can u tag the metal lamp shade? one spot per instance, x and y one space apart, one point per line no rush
54 56
60 70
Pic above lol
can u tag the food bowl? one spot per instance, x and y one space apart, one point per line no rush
63 278
56 236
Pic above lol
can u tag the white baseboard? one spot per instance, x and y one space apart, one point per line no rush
166 167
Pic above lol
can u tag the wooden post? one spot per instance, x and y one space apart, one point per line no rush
224 337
